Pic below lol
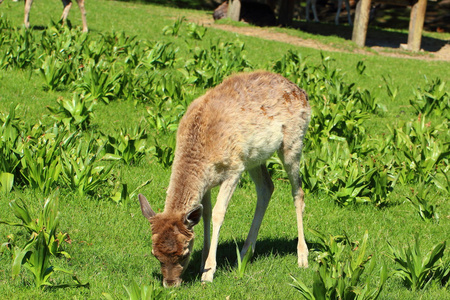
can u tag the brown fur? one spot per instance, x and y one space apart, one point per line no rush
234 127
170 250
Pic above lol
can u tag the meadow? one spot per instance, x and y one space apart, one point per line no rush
88 121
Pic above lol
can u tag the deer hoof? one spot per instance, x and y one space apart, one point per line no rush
303 261
207 277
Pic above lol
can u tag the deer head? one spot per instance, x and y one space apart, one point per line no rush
172 239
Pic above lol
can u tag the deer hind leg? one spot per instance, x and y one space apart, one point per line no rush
312 4
27 9
206 202
83 14
67 5
218 214
347 7
314 9
264 190
308 4
291 158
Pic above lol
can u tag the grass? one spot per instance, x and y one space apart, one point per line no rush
110 244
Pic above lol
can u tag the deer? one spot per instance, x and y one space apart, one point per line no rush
67 5
312 4
234 127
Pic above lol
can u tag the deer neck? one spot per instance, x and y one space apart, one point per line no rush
188 184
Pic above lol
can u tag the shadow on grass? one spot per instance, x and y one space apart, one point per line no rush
226 255
375 36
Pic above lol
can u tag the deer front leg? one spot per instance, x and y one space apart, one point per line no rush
218 214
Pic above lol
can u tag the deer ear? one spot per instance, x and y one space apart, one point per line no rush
193 217
147 211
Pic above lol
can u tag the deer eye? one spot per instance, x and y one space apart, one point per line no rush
184 256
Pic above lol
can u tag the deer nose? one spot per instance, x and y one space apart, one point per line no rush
171 283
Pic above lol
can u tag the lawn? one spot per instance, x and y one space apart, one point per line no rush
89 121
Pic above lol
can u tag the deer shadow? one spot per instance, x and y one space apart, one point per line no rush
227 257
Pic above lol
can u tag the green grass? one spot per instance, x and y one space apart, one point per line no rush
111 245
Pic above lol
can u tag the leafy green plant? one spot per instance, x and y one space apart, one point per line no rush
95 53
79 169
340 275
164 153
352 188
417 270
44 243
442 274
175 28
196 31
381 179
360 67
123 196
22 50
330 249
434 99
337 121
418 150
312 170
295 67
210 65
124 48
48 219
41 164
158 55
6 182
442 181
419 201
242 262
76 113
10 146
53 72
35 257
5 23
391 88
126 145
343 176
60 56
164 121
369 102
99 81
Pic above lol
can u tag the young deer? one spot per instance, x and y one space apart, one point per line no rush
67 5
312 4
234 127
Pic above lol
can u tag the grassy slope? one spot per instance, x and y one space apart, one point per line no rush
111 245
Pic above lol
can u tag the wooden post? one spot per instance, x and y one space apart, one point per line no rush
416 25
234 10
286 12
361 22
